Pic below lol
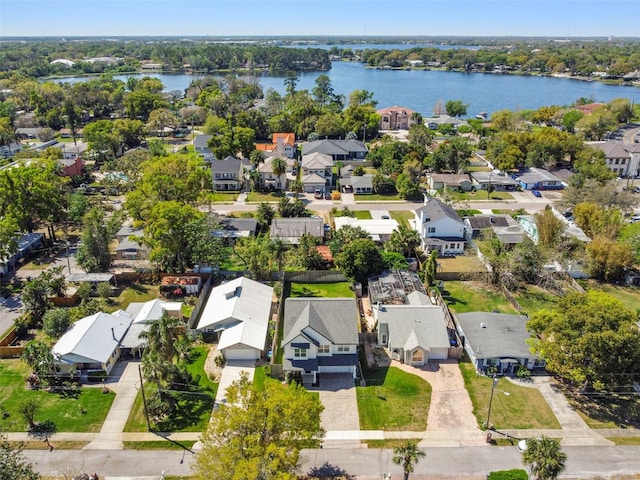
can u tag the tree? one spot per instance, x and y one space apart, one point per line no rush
345 235
8 238
608 259
408 456
431 268
279 167
159 355
56 321
35 298
29 408
582 338
456 108
264 216
37 354
360 260
549 226
257 432
13 464
545 457
307 256
161 118
72 114
403 240
256 254
452 156
93 253
420 135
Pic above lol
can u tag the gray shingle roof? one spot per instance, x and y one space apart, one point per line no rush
333 318
228 165
334 147
296 227
494 335
412 326
435 210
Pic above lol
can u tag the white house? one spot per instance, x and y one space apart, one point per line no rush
320 336
440 228
379 229
92 343
319 164
269 178
238 312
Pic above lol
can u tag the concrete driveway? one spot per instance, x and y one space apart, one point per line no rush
231 372
338 396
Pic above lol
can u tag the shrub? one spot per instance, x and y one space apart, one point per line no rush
104 289
56 321
515 474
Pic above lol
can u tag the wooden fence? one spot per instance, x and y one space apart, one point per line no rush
6 349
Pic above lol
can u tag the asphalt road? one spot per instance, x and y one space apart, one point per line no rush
582 462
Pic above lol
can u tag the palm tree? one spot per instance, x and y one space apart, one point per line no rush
546 459
339 166
279 167
407 456
296 187
403 240
278 249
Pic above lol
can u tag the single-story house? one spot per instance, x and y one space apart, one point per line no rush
435 121
357 184
440 228
439 181
10 149
320 336
497 340
507 230
497 181
413 334
72 167
92 343
238 312
26 243
143 314
379 230
236 227
129 247
538 179
291 229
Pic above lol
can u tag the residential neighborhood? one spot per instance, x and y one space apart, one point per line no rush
211 270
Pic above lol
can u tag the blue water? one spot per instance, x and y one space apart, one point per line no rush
420 90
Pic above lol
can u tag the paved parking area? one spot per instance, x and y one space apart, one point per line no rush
379 214
338 396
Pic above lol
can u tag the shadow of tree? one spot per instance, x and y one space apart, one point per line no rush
43 430
328 471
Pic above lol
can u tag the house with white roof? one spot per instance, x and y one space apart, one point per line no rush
143 314
92 343
380 230
238 313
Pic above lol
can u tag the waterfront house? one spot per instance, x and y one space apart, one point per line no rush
396 118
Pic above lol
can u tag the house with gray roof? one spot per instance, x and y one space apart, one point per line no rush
291 229
497 340
538 179
130 245
440 228
320 336
235 228
507 230
622 159
338 150
455 181
318 163
228 174
238 313
269 178
201 146
497 181
357 184
414 333
312 182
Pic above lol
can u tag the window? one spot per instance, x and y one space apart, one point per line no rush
217 175
323 349
384 339
431 230
300 353
617 161
417 356
623 161
453 246
343 348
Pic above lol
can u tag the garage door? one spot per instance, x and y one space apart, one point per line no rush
337 369
241 354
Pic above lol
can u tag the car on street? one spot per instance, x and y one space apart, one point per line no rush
536 193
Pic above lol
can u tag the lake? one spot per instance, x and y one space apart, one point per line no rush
420 90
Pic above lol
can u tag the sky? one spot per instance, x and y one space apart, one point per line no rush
549 18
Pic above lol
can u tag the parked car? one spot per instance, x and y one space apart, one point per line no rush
318 194
536 193
327 195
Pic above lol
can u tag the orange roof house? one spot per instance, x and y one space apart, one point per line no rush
283 145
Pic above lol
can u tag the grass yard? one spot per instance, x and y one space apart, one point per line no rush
159 445
472 296
264 197
462 263
534 299
479 195
368 198
136 293
193 406
393 400
362 214
624 440
606 411
80 410
523 408
322 290
220 197
230 261
402 216
628 296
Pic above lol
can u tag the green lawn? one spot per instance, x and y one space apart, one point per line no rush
628 296
230 261
220 197
534 298
402 216
264 197
193 406
80 410
362 214
471 296
480 195
393 400
523 408
375 197
136 293
322 290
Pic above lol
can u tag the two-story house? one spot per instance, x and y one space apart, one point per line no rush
317 171
440 228
283 145
320 336
228 174
270 179
396 118
622 159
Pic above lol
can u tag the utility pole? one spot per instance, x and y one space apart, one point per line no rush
144 400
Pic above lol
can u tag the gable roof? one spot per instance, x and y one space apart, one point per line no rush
317 160
372 226
434 210
267 165
534 175
312 179
611 149
412 326
92 339
493 220
296 227
236 227
395 108
494 335
450 178
355 181
228 165
145 312
334 147
333 318
201 142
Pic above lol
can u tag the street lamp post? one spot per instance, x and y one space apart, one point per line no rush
493 389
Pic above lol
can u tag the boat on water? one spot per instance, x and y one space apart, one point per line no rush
482 116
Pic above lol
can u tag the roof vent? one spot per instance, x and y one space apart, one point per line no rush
483 325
